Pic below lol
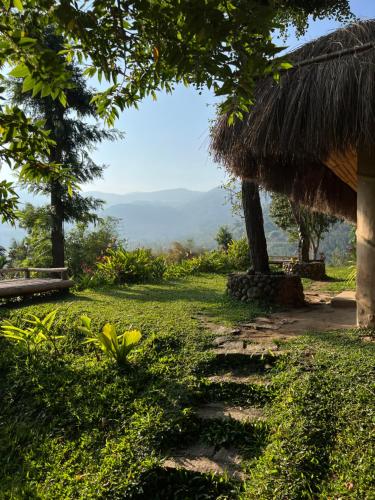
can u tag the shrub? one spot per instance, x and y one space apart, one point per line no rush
137 266
178 252
209 262
85 245
239 254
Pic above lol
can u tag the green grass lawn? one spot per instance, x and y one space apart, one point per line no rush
74 426
322 441
338 280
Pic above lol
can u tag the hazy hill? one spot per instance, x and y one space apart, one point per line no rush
156 219
167 197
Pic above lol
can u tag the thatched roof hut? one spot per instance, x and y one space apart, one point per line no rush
312 137
302 135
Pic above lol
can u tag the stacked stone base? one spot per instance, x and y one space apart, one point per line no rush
273 288
314 270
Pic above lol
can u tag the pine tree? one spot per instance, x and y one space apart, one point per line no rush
74 139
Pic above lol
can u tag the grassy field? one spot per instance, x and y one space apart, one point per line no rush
74 426
322 439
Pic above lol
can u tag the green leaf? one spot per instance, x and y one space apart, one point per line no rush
26 40
28 83
132 337
18 5
86 321
286 65
62 99
20 71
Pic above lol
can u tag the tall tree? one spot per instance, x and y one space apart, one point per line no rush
301 224
73 139
223 238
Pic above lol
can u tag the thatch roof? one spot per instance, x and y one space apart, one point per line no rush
302 134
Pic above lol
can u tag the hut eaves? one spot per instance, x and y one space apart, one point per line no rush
303 133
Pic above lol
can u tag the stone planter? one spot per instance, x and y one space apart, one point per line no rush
314 270
274 288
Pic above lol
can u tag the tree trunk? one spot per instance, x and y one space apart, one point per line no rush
304 237
57 225
254 226
305 246
366 238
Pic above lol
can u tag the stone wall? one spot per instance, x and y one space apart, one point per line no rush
315 270
275 288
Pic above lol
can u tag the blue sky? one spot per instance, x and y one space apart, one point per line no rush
166 142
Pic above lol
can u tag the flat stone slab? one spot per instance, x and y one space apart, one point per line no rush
253 378
345 300
244 346
206 459
223 411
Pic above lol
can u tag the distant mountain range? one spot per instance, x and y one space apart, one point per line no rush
156 219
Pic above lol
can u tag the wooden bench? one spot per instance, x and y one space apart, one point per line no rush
28 285
278 260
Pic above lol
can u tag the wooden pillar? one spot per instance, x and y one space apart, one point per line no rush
366 238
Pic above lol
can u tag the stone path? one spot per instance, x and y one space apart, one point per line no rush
256 344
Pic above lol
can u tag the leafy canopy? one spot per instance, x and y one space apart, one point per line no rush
144 46
139 48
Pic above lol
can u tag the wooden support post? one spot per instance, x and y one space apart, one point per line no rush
366 238
27 274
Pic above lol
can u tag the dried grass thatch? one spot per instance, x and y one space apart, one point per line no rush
302 134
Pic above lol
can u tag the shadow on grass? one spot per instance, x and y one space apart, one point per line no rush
55 403
47 298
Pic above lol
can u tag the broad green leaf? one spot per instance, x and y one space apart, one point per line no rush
132 337
20 71
28 83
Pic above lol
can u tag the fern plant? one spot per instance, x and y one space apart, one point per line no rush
115 346
39 331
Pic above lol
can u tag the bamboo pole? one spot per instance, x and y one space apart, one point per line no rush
366 238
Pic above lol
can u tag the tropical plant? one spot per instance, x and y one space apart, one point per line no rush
39 332
122 266
239 254
85 246
116 347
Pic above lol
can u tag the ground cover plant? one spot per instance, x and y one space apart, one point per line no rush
322 441
74 425
77 425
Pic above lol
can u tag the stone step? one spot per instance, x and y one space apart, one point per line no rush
244 359
224 411
344 300
206 459
233 378
247 346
